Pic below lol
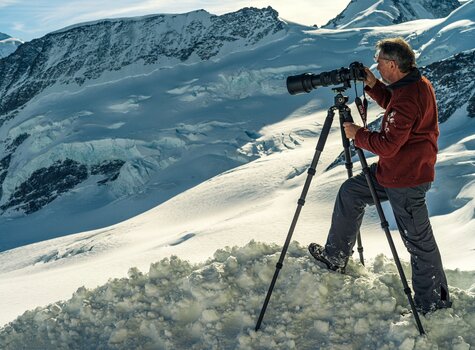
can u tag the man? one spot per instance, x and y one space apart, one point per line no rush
407 150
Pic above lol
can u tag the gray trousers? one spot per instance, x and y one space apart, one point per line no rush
410 210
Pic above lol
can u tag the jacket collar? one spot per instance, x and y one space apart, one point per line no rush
413 76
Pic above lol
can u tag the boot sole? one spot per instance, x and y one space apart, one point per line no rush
326 263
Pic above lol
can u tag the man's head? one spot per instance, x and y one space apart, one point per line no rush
395 59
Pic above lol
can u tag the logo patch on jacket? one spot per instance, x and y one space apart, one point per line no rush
390 120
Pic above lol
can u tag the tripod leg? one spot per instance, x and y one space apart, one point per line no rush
346 116
385 226
301 202
360 247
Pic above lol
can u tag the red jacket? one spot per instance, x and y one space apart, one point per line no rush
407 142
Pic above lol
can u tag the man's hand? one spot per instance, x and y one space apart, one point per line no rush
370 79
351 129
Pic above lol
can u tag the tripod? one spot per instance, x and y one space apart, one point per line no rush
345 116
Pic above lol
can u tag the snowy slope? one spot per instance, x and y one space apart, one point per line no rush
239 101
369 13
453 33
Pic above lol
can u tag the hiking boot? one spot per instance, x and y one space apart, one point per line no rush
318 252
433 307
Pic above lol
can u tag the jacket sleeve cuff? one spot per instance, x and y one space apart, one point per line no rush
361 138
376 87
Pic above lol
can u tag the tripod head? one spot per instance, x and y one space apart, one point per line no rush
340 89
340 99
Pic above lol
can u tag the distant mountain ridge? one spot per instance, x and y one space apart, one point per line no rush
8 44
85 52
362 13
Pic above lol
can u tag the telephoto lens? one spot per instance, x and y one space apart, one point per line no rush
298 84
306 82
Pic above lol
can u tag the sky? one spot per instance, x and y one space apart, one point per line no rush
27 20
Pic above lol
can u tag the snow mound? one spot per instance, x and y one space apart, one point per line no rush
214 305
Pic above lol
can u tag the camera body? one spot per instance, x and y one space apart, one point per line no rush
306 82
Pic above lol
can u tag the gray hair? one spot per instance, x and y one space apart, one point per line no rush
400 51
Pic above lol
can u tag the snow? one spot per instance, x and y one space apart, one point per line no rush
8 45
129 105
450 34
215 304
369 13
223 149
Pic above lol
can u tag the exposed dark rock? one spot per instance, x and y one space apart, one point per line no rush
5 161
111 170
17 142
453 83
4 164
471 106
439 8
46 184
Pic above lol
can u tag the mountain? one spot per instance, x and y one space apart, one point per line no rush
105 120
364 13
101 137
445 36
80 54
8 44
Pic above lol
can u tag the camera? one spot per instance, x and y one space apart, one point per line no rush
306 82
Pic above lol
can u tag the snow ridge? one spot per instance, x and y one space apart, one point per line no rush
8 44
364 13
214 305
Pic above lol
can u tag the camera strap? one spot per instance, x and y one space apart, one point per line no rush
362 106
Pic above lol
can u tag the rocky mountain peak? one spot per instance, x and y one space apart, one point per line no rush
81 53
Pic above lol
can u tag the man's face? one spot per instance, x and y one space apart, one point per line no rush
386 67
